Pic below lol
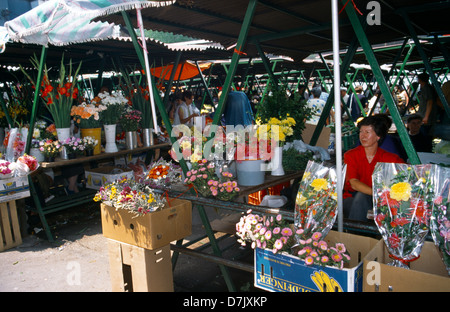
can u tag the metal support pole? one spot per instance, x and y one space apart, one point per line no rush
426 63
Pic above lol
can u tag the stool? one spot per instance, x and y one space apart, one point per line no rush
9 226
136 269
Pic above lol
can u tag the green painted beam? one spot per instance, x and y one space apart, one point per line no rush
362 38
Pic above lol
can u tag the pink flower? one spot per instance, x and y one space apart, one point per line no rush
279 217
309 260
316 236
324 259
336 257
323 245
205 176
278 244
340 247
276 230
268 235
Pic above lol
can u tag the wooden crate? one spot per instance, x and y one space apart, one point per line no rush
152 230
136 269
9 226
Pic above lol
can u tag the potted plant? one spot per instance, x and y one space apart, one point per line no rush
130 121
74 147
89 145
114 106
87 115
50 149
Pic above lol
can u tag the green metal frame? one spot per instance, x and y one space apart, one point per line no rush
362 38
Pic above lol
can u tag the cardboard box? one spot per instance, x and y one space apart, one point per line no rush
426 274
288 273
97 177
14 188
152 230
136 269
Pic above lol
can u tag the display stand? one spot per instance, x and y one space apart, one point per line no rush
136 269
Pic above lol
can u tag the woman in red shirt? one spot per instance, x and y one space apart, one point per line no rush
361 162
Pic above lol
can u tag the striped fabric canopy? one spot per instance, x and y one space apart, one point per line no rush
63 22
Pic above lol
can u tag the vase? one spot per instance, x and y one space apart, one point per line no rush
147 136
277 161
110 136
89 152
63 134
72 156
250 172
95 133
36 153
131 139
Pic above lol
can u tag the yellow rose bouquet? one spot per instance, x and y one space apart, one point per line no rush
403 198
316 201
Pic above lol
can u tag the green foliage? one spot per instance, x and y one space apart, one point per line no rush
280 105
293 160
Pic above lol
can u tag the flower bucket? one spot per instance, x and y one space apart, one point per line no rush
95 133
63 134
131 139
249 172
147 136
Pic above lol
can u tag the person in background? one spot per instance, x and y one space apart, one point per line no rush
353 105
186 111
317 104
427 105
420 141
361 162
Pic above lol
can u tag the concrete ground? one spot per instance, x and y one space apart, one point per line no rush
78 261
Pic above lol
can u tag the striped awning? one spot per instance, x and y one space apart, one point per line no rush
64 22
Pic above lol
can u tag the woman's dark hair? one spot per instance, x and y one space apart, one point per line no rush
378 123
186 94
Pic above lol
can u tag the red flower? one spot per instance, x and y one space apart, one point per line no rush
386 200
379 218
419 208
400 222
394 241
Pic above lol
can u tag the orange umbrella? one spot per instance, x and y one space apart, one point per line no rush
189 70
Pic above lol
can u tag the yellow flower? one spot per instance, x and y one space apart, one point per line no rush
306 175
401 191
300 200
319 184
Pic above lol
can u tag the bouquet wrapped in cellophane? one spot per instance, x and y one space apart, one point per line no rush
316 201
440 214
402 197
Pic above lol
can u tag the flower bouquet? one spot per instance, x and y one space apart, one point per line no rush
114 105
267 232
316 251
5 170
58 94
74 146
30 161
88 115
440 214
316 201
89 143
204 179
50 148
277 129
402 196
138 198
130 120
252 142
162 174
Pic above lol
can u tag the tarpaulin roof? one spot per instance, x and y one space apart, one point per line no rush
183 71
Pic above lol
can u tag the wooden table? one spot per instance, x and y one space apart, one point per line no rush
85 196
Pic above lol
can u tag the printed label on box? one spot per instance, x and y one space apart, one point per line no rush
286 273
14 188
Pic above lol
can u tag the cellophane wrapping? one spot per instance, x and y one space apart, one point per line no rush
316 201
440 215
402 198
